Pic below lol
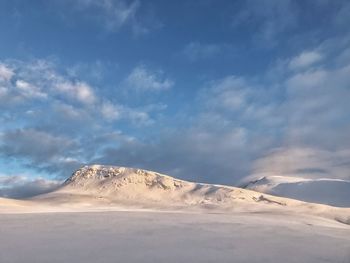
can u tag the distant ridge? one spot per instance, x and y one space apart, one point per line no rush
335 192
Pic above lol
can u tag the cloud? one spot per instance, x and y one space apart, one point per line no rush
80 91
118 14
192 154
196 51
71 98
40 150
268 18
317 107
304 162
53 122
243 99
143 79
16 186
113 112
343 14
241 119
28 90
110 111
233 121
230 93
38 145
6 73
305 59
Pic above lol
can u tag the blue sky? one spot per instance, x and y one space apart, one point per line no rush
211 91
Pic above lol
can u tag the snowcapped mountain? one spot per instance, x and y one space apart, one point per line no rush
130 186
111 188
333 192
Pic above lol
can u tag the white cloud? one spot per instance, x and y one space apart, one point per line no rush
317 107
143 79
113 112
6 73
110 111
229 93
236 98
304 162
28 90
79 91
307 80
61 91
139 117
305 59
117 14
69 112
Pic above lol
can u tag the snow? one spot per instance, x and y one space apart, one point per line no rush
170 237
119 214
107 188
328 191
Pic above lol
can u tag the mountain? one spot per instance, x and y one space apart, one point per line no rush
108 188
333 192
131 186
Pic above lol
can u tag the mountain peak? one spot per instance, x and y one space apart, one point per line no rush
116 177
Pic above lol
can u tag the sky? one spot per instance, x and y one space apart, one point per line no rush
203 90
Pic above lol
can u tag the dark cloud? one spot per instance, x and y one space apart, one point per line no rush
22 187
192 154
40 150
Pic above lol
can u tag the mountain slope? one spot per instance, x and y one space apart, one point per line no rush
109 188
333 192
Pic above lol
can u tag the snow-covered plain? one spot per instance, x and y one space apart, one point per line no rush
117 214
170 237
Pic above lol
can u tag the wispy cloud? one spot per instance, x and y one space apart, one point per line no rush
196 50
142 79
6 73
80 91
269 18
305 59
116 14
